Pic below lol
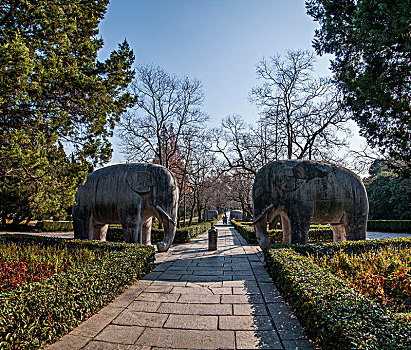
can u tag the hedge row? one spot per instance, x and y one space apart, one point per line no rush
398 226
350 247
314 235
54 226
183 234
39 313
276 236
40 226
246 231
333 313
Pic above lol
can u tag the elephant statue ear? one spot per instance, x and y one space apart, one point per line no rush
291 178
140 181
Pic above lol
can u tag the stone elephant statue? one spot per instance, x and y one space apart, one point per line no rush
130 195
304 192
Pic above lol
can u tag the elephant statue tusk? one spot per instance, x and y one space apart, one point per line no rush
162 211
265 211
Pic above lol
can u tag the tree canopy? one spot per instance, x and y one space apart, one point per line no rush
58 103
371 42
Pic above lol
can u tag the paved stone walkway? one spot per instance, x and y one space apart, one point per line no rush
196 299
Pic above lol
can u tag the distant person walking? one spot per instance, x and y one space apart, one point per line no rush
224 219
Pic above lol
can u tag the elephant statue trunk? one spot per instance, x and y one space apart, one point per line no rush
260 226
169 229
169 233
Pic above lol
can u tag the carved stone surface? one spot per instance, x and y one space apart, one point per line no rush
236 215
130 195
212 214
305 192
212 238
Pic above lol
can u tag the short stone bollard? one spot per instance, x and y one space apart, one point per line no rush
212 238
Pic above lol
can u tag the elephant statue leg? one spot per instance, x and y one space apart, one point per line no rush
355 228
286 228
300 216
132 230
90 224
79 224
339 233
131 219
100 232
82 222
146 230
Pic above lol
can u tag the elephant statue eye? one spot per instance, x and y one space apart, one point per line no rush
288 180
140 181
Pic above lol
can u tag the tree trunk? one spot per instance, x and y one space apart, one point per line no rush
178 218
184 210
190 222
199 212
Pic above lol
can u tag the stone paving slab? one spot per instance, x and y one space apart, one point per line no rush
244 323
250 309
196 299
192 322
70 342
196 309
120 334
257 340
140 318
192 339
95 324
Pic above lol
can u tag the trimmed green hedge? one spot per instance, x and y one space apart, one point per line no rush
276 236
333 313
183 234
246 231
54 226
398 226
349 247
43 312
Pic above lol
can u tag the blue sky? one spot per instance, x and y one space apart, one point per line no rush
216 41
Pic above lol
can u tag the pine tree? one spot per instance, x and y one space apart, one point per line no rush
58 103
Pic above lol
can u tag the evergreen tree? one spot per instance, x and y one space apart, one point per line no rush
389 196
58 103
371 42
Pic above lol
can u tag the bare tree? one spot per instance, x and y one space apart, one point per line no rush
167 108
201 177
239 187
194 170
304 113
243 147
360 160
